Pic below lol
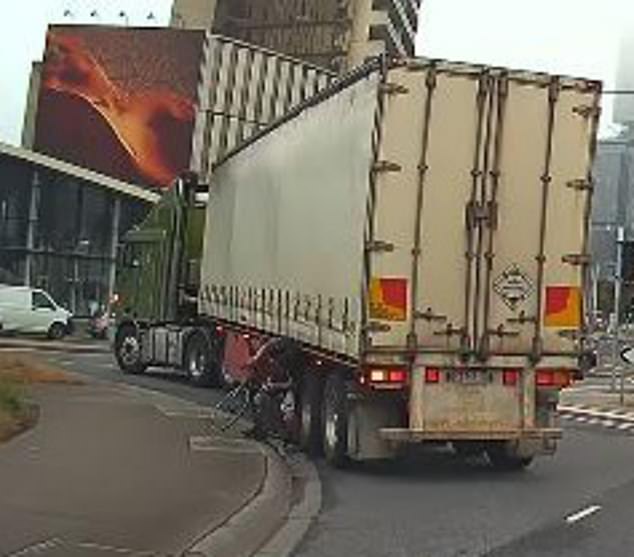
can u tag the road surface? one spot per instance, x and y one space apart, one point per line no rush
577 503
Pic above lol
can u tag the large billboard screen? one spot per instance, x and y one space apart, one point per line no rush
120 101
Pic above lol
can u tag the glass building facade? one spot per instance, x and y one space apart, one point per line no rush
60 226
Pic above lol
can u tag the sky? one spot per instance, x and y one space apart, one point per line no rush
572 37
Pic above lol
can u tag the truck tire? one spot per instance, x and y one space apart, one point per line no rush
128 350
200 364
310 413
504 459
335 420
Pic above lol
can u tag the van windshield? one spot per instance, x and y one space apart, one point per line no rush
42 301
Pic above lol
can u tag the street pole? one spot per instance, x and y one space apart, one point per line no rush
618 285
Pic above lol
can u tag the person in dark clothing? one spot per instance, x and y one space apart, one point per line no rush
275 368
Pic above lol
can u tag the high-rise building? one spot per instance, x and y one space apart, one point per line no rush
624 104
337 34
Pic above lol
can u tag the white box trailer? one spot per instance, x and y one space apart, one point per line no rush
421 228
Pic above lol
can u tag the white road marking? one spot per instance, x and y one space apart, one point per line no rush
576 517
623 427
596 413
37 548
582 388
112 549
231 446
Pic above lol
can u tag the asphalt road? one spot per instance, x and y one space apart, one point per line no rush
578 503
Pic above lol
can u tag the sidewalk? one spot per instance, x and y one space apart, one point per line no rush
112 470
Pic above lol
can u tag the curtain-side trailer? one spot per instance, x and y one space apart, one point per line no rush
420 230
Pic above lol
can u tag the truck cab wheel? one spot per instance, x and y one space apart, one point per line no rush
310 411
504 459
128 350
199 363
335 421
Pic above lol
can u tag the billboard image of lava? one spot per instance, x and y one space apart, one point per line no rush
120 101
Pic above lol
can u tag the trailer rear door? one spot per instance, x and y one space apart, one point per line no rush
481 211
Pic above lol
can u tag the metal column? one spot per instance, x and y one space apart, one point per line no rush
114 241
30 233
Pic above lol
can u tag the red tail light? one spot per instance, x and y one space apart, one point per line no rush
432 375
510 377
385 377
557 378
397 376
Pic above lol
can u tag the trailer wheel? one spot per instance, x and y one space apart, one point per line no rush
128 350
310 419
503 458
199 362
335 420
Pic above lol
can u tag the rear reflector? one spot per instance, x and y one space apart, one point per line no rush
510 377
558 378
432 375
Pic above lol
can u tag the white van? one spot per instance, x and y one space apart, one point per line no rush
31 310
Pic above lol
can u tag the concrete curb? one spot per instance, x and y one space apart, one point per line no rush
302 515
246 530
52 346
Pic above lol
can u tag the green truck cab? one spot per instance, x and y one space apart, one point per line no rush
158 272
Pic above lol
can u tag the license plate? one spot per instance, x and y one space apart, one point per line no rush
468 376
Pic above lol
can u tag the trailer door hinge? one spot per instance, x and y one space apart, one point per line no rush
386 166
522 318
429 315
577 259
587 111
393 89
580 185
379 246
502 332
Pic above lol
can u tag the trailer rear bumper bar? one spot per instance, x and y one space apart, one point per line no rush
403 435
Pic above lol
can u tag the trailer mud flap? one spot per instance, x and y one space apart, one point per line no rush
366 418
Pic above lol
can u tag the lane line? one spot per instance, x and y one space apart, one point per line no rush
113 549
584 513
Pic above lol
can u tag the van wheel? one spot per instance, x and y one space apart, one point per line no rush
503 458
128 350
56 331
310 419
199 363
335 420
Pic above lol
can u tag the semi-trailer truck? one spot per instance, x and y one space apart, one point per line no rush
419 230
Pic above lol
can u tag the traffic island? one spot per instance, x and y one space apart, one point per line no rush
18 412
